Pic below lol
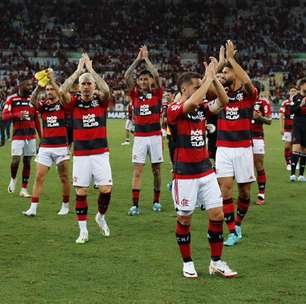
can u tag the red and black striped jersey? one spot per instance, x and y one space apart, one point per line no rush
54 124
191 158
234 121
23 129
263 106
147 111
89 125
288 116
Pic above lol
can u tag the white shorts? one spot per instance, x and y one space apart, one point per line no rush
236 162
287 137
23 147
258 146
189 194
48 156
92 167
148 145
129 126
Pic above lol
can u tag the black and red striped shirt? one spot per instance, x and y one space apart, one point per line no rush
54 124
191 158
263 106
89 125
234 121
298 108
288 116
147 111
23 129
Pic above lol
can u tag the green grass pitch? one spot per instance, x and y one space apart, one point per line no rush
140 262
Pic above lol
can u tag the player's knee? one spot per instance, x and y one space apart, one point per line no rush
64 178
244 194
15 160
184 220
105 189
40 178
156 171
216 214
81 191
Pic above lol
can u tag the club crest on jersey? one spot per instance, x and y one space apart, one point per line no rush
196 115
257 107
94 103
145 110
89 121
232 113
52 122
196 138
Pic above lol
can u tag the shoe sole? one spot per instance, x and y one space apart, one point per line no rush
190 275
29 215
218 273
82 243
102 230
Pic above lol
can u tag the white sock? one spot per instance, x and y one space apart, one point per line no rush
65 205
83 226
33 207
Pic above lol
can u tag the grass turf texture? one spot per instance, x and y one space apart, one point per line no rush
140 262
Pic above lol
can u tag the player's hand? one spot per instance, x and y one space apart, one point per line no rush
50 74
24 115
80 67
215 63
257 114
222 55
209 70
282 131
139 56
230 50
88 63
145 52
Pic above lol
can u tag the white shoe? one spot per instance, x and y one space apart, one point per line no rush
189 270
292 178
289 167
24 193
83 237
64 210
29 212
100 220
125 143
12 185
221 268
301 178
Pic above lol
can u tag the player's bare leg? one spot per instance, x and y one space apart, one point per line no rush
81 208
288 154
136 185
14 169
157 183
103 203
215 238
261 178
41 173
63 169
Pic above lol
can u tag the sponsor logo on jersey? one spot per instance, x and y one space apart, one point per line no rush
197 138
89 121
52 122
145 110
232 113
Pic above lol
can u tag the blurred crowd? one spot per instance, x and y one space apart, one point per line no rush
180 35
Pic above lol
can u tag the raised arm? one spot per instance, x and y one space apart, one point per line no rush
222 99
152 69
68 83
238 70
35 94
197 97
100 82
128 75
221 61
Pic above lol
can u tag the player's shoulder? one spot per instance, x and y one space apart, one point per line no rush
12 97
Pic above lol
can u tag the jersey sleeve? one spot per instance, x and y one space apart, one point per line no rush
267 109
174 113
7 113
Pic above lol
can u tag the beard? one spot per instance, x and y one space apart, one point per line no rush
227 82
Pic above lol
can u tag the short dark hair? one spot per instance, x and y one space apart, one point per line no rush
145 72
228 65
186 78
292 86
300 82
258 85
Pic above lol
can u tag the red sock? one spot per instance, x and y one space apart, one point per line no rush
215 238
81 207
135 196
287 154
65 199
261 181
103 202
229 214
25 175
156 196
35 200
242 209
183 238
